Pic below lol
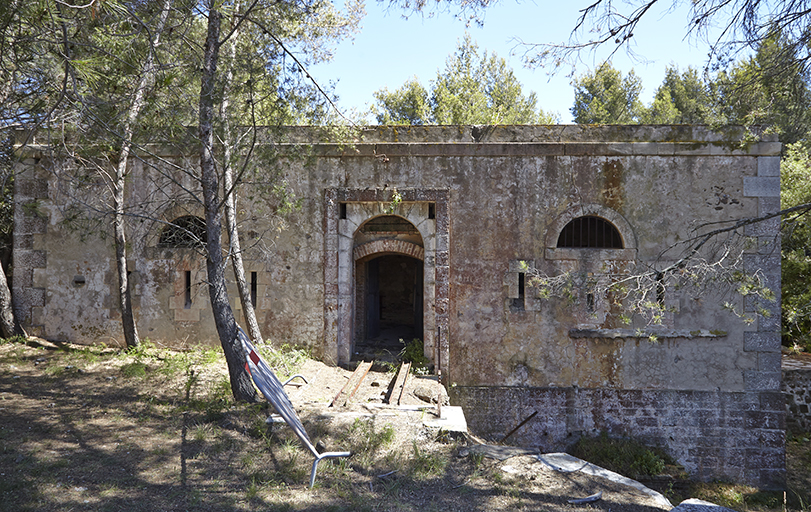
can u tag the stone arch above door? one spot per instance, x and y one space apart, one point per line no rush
389 246
346 210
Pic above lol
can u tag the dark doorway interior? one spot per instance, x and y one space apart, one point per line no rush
392 306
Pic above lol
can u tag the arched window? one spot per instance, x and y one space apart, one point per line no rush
590 232
188 231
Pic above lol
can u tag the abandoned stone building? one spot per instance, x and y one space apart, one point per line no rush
435 233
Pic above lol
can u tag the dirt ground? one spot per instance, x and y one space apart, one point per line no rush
92 429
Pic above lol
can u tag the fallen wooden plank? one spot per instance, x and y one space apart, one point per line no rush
352 385
395 393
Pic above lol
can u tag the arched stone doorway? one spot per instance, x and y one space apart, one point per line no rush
423 215
389 287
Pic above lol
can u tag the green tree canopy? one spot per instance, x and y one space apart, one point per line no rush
474 88
606 97
408 104
796 246
768 89
682 98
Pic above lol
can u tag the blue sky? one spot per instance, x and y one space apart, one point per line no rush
389 49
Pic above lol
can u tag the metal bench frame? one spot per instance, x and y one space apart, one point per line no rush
274 392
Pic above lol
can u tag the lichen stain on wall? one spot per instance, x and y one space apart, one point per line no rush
612 189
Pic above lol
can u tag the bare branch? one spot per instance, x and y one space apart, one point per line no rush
728 26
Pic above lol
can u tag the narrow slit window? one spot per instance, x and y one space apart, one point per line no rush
432 210
187 289
521 278
253 289
590 232
343 210
517 304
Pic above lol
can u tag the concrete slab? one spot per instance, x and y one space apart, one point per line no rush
498 452
566 463
452 420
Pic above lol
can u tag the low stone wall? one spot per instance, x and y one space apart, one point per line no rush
797 389
714 435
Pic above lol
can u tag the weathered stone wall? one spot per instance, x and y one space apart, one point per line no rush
485 203
797 391
736 436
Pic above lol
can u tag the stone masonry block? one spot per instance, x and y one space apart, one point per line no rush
769 361
22 241
761 381
772 438
768 166
769 323
765 420
761 342
768 205
23 278
29 259
34 297
31 224
769 227
764 262
761 187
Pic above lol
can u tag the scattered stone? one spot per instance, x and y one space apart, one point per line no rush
429 394
696 505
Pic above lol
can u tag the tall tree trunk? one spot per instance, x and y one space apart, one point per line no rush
241 385
144 82
9 326
231 197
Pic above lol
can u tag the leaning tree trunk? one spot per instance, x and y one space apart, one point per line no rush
144 81
241 385
230 198
8 322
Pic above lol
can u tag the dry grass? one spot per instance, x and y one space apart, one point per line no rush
95 429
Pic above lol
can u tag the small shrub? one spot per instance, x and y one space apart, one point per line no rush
624 456
134 369
285 361
413 353
144 350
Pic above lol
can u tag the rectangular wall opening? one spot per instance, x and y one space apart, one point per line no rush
253 289
187 290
